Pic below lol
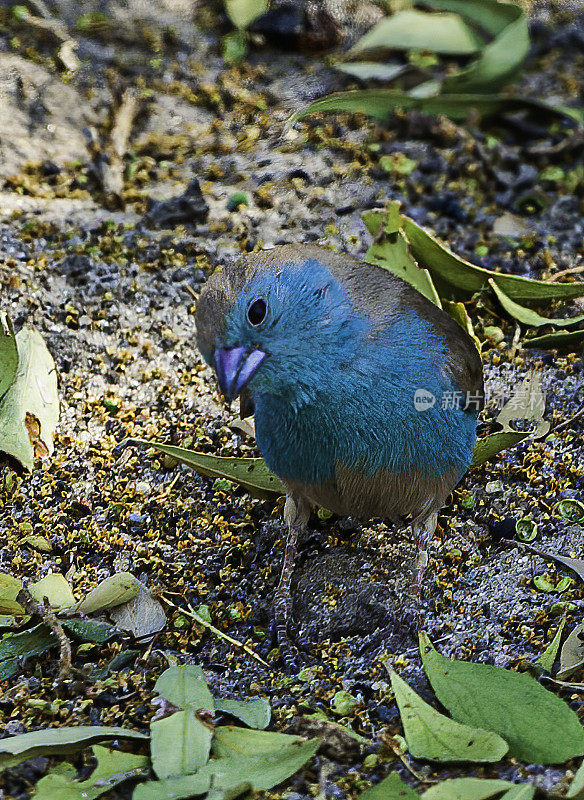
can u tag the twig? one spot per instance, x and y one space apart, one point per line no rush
566 423
113 172
200 621
48 25
33 607
570 271
388 741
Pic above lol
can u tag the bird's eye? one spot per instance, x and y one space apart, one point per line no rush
257 311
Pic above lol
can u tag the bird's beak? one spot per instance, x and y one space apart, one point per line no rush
235 367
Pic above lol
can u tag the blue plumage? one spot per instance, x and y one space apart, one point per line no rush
338 380
360 385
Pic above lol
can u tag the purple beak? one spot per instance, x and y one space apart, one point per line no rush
235 367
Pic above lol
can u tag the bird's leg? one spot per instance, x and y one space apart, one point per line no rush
296 513
422 534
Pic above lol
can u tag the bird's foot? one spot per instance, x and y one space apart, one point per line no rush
284 635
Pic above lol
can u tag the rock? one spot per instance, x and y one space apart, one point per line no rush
41 118
189 207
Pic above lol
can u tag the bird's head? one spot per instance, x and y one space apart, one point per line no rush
283 329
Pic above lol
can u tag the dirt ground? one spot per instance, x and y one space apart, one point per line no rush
111 283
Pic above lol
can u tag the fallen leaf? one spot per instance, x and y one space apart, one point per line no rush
522 791
58 741
230 741
390 788
528 317
467 789
576 790
561 340
29 409
243 12
412 29
111 592
91 630
8 354
185 786
538 726
180 743
572 654
55 589
15 648
9 589
255 713
143 615
436 737
185 687
371 70
251 473
391 252
528 403
548 657
113 768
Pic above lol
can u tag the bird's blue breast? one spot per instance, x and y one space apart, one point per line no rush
363 413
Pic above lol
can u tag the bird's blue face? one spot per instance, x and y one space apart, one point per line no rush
288 331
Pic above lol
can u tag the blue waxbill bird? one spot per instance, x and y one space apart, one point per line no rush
366 394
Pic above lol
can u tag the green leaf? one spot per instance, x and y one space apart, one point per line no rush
29 409
243 12
371 70
180 744
528 403
547 658
58 741
500 60
570 509
8 354
460 274
572 655
234 46
113 768
522 791
55 588
390 788
467 789
255 713
528 317
526 529
434 736
15 647
391 252
185 687
91 630
38 543
111 592
562 340
9 589
251 473
538 726
417 30
490 15
382 103
263 769
576 790
231 742
179 788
